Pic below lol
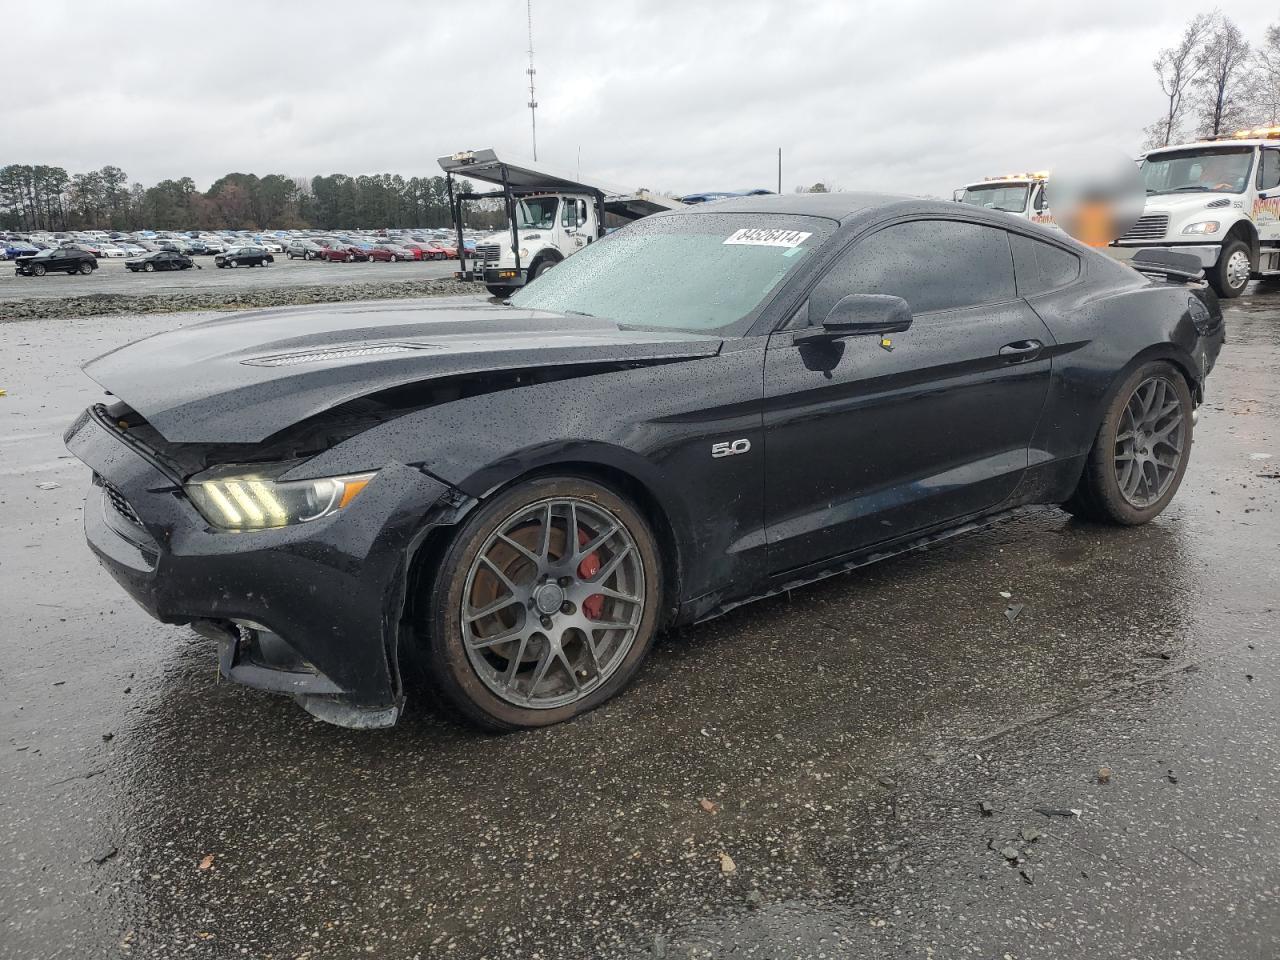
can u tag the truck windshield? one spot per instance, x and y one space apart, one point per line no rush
1200 170
538 213
716 270
1009 197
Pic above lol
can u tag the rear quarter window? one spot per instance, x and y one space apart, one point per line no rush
1042 266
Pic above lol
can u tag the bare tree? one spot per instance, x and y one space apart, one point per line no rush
1177 67
1223 79
1265 89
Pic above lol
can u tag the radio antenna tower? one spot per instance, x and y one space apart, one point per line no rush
533 100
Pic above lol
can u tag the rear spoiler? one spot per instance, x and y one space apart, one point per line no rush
1168 264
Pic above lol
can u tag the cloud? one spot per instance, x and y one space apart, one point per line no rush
904 96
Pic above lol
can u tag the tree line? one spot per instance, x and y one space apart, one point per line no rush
1214 82
38 197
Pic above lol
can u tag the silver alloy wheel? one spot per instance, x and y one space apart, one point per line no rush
1150 442
1238 269
553 602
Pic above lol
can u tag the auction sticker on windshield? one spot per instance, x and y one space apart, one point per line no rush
759 237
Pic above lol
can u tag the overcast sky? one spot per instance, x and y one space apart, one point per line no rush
904 96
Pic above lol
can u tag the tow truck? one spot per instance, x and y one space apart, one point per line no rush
1021 194
1218 200
550 217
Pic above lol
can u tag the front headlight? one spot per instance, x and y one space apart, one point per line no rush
1204 226
253 503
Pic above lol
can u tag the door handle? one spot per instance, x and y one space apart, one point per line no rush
1020 351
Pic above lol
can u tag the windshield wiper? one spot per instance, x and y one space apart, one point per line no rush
1191 186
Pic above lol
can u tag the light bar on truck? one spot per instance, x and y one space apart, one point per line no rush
1038 175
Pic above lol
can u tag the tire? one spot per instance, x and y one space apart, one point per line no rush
306 254
1230 275
528 682
499 291
541 267
37 270
1128 479
351 258
149 267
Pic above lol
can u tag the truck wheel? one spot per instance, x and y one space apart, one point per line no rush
1141 449
498 291
541 267
545 604
1230 275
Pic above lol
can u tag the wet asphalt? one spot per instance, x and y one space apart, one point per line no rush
801 778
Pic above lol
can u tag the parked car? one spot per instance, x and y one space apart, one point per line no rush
448 251
418 251
609 456
376 251
68 259
132 249
302 249
269 244
243 256
12 249
395 251
109 248
160 260
342 253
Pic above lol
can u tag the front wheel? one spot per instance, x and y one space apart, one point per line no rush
149 267
544 605
1141 449
37 270
306 255
1230 275
498 291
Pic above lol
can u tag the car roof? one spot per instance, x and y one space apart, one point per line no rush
835 206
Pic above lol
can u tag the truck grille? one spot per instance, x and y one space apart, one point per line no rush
488 251
118 502
1151 227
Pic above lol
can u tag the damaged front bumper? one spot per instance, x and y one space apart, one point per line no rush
312 610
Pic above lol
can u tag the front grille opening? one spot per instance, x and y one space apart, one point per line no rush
1153 226
117 500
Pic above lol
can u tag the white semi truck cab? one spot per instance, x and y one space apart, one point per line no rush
1217 200
1021 194
550 217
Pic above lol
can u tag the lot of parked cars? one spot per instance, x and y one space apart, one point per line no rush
35 254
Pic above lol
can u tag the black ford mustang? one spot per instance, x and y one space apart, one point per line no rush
704 408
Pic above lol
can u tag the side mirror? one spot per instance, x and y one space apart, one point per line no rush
858 314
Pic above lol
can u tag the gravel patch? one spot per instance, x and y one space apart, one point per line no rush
106 304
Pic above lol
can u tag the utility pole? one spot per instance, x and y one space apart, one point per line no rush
533 100
779 170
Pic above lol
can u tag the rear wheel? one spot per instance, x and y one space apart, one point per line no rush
1141 451
544 605
1230 275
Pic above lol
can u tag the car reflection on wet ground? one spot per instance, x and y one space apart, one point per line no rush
802 778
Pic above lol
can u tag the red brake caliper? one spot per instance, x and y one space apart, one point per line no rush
593 606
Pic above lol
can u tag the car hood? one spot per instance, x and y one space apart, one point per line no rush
243 378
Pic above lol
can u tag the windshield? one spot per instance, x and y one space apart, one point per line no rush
1009 197
1202 170
716 270
538 213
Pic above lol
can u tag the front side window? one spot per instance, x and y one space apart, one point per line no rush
1269 170
717 270
1200 170
1009 197
931 264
